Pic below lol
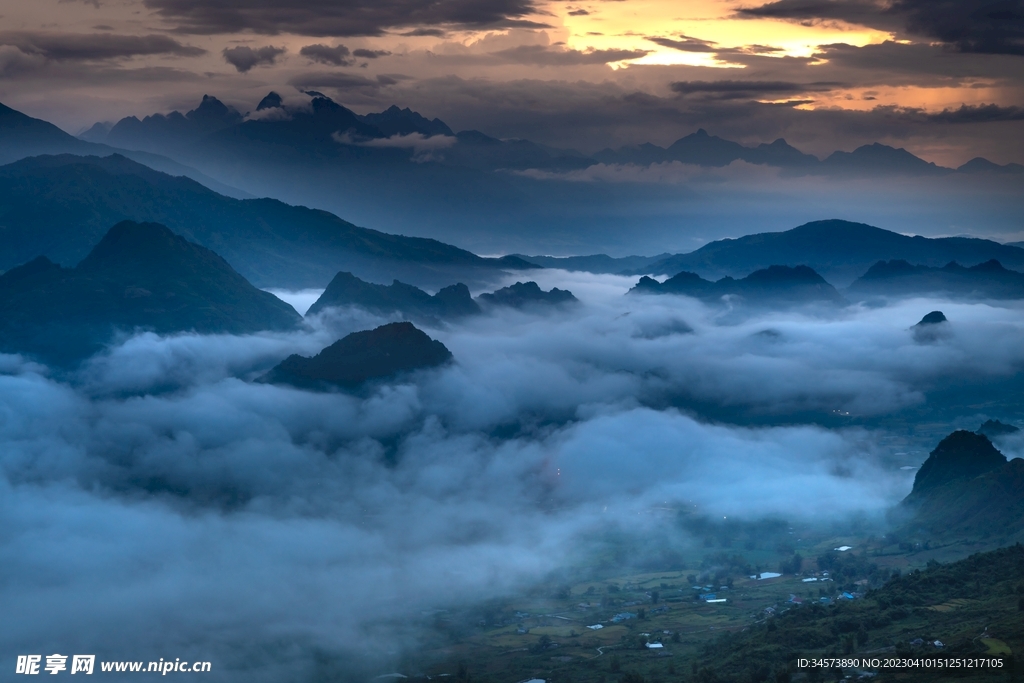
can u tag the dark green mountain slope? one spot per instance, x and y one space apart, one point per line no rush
384 352
140 275
965 489
960 456
970 606
771 286
988 280
839 250
59 206
23 136
346 289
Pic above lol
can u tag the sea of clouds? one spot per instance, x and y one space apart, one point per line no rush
159 503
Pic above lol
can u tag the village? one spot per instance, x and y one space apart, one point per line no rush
656 621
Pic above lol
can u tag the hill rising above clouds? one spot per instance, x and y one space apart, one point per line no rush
774 285
988 280
346 289
839 250
139 276
385 352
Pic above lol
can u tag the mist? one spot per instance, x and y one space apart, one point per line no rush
157 502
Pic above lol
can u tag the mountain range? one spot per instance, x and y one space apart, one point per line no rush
453 301
23 136
776 285
988 280
840 251
324 120
450 303
140 276
59 206
401 172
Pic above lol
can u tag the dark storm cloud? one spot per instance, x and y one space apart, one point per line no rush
966 113
370 54
747 89
244 58
339 55
685 44
429 32
95 46
965 25
543 55
865 12
350 18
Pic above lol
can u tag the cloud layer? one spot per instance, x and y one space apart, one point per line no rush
159 504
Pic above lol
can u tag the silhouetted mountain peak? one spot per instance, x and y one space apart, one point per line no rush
146 248
523 294
346 290
886 269
396 121
36 267
962 455
271 101
774 284
990 266
140 275
983 165
994 428
880 158
323 105
212 114
774 276
933 318
381 353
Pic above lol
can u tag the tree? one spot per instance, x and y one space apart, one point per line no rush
655 595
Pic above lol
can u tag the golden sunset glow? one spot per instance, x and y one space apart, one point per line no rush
622 25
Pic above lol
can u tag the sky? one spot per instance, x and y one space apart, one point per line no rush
942 79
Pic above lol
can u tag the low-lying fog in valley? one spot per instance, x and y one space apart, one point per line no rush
159 502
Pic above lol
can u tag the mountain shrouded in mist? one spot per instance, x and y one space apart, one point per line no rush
346 289
966 488
839 250
139 276
988 280
381 353
59 206
775 285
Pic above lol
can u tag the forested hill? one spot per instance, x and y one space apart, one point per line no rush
974 607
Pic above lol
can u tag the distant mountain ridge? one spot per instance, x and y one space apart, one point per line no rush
346 289
61 205
162 133
772 285
22 136
450 303
139 276
987 280
840 251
